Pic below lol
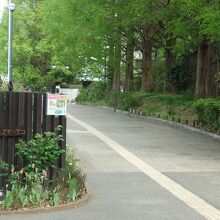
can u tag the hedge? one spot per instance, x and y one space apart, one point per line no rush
208 112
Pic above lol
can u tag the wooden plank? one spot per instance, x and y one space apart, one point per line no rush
54 123
28 116
21 110
28 119
37 113
2 94
12 110
62 159
46 119
20 123
2 116
4 124
3 112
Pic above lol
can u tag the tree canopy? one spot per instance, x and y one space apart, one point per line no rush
61 41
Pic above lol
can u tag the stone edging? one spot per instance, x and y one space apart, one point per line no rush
38 210
172 124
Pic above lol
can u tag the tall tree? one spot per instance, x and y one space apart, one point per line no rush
147 77
196 29
129 74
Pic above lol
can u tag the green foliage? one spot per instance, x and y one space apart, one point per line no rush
15 198
31 47
35 182
55 196
72 178
73 188
59 75
123 100
208 112
27 189
175 100
34 52
96 91
45 37
34 188
4 167
29 186
41 151
177 77
168 106
85 40
159 75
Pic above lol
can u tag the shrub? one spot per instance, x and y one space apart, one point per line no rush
34 188
178 78
158 70
42 151
208 112
95 92
122 100
32 185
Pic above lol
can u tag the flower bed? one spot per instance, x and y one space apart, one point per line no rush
38 183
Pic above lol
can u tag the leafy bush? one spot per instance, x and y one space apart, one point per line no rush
31 186
123 100
158 69
178 78
208 112
95 92
42 151
31 189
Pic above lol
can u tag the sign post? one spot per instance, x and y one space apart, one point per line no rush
56 104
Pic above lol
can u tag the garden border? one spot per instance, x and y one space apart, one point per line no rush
71 205
183 127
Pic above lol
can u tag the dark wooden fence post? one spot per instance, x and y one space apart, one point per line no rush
37 114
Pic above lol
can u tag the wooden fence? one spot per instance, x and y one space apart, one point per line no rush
22 115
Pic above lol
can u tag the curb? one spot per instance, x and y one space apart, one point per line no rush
183 127
71 205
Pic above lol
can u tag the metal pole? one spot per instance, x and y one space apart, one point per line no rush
11 8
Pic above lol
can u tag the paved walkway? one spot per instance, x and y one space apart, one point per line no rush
138 170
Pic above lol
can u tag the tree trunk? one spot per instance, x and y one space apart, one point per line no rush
147 77
203 88
170 62
110 65
117 65
129 63
217 90
210 72
209 76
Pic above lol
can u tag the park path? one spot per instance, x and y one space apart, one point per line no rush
138 170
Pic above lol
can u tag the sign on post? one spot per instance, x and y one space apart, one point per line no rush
56 104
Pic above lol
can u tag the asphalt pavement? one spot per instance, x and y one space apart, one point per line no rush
138 170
